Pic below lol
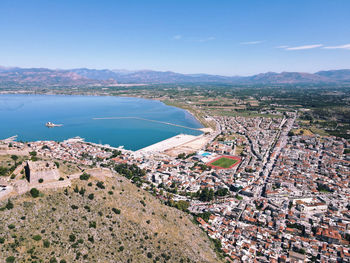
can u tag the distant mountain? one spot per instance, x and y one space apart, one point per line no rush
100 74
85 76
44 76
150 76
287 78
336 75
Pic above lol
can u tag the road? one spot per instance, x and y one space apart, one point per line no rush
276 149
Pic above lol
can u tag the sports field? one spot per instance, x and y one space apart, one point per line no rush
224 162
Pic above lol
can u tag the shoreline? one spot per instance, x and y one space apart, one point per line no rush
188 110
204 129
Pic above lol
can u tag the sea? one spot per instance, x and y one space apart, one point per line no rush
134 123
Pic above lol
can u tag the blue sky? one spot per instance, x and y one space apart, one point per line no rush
228 37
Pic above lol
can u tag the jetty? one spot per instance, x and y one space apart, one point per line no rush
149 120
10 139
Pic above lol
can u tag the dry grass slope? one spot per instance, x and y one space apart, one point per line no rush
68 226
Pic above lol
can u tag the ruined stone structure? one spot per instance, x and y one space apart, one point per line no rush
45 170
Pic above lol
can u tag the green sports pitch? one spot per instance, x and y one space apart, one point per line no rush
224 162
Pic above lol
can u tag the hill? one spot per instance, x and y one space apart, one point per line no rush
336 75
43 76
85 76
95 221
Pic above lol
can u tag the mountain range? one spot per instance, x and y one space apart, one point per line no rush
85 76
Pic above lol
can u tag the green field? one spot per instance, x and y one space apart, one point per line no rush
224 162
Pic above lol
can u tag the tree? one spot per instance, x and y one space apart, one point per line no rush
205 216
84 176
181 205
14 158
34 192
46 243
181 156
9 205
115 210
57 164
100 185
222 192
206 195
37 237
3 171
10 259
72 237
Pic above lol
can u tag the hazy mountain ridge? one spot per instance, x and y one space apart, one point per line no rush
40 76
82 76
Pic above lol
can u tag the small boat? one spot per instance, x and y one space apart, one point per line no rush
51 125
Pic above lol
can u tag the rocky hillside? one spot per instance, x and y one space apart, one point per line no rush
99 221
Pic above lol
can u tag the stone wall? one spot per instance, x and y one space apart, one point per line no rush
41 170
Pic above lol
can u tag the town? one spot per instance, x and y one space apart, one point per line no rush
260 187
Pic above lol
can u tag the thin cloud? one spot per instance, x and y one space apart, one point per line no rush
282 47
346 46
252 42
205 39
304 47
177 37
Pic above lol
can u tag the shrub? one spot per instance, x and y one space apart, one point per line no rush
72 237
121 248
46 243
63 261
115 210
100 185
61 179
92 224
37 237
74 207
10 259
2 240
149 255
82 191
3 171
9 205
84 176
11 226
53 260
34 192
148 221
91 196
41 180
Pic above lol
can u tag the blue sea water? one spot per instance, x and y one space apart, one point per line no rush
26 115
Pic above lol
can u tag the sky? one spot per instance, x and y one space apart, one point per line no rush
225 37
